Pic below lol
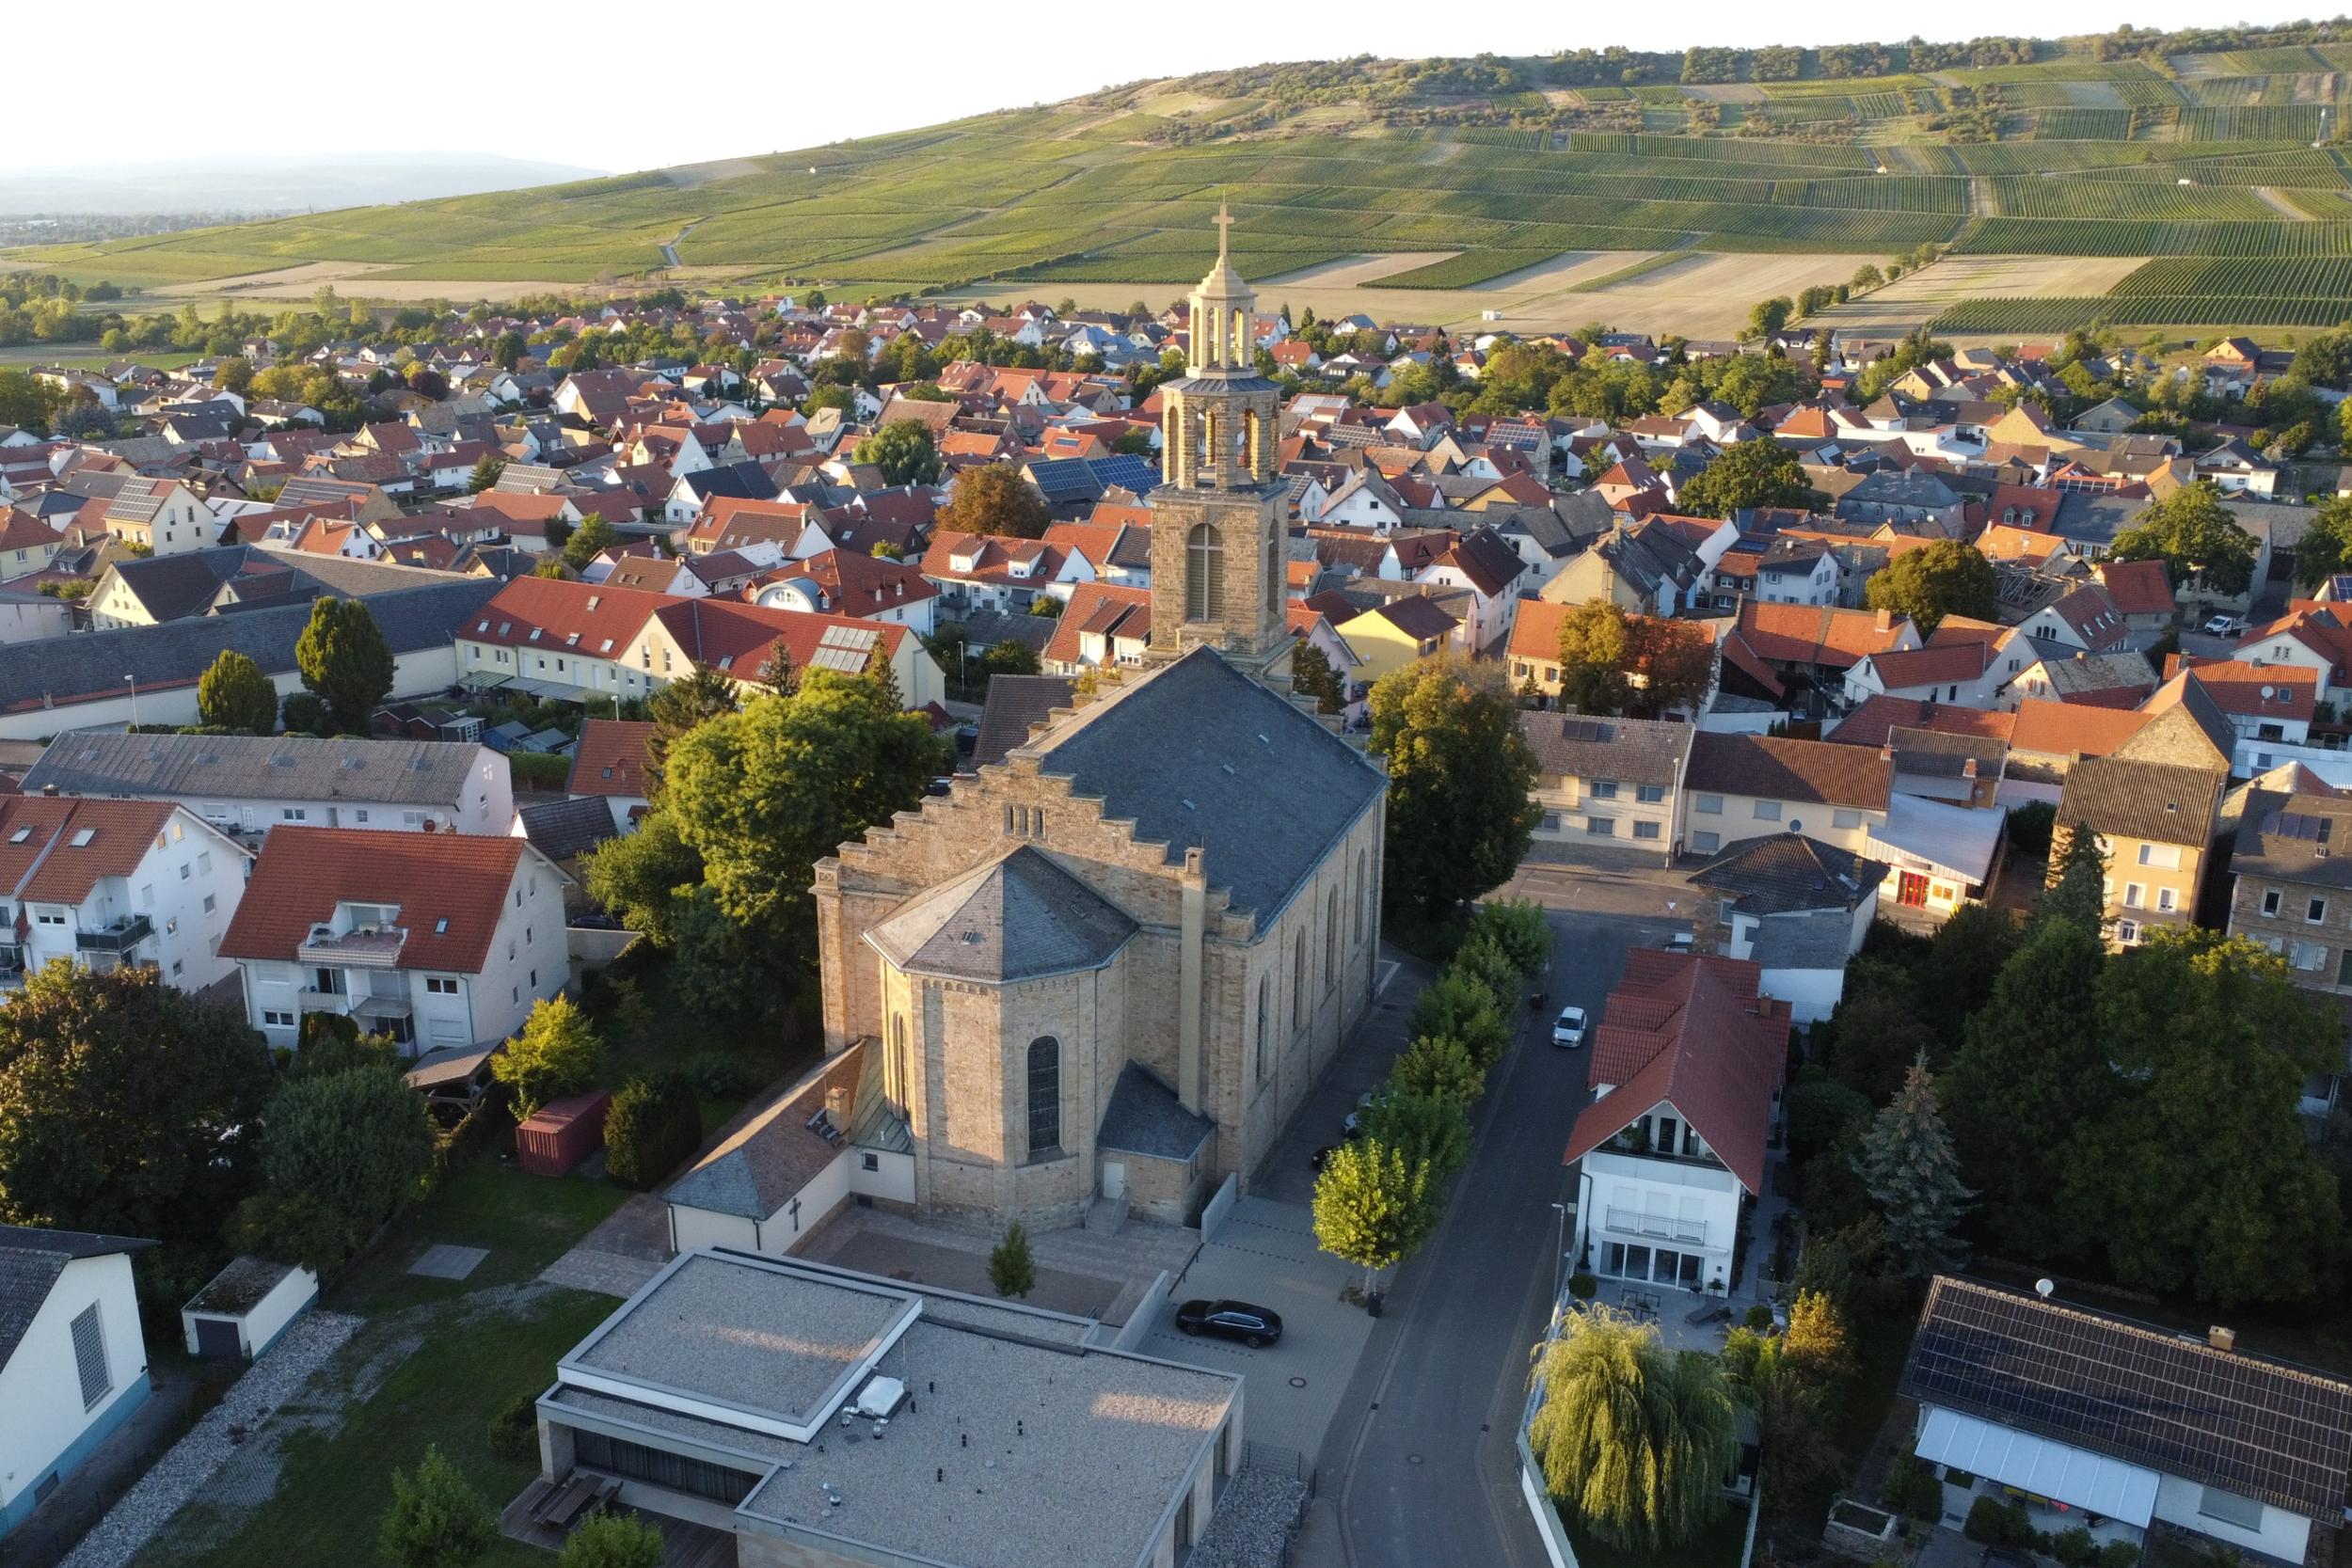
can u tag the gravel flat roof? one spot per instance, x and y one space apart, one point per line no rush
760 1339
1070 1462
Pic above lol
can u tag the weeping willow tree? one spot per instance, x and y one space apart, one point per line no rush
1636 1439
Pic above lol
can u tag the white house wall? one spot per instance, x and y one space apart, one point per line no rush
2283 1535
41 1387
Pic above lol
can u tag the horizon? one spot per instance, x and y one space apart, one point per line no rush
177 47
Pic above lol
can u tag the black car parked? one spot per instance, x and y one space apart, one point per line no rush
1231 1320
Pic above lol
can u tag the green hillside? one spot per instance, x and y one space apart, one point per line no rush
2196 150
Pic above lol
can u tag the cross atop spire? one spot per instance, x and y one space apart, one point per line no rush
1224 228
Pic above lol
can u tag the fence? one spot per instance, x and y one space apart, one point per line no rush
1276 1460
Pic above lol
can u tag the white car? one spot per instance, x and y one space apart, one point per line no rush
2225 626
1567 1030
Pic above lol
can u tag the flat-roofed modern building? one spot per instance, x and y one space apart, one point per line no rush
827 1418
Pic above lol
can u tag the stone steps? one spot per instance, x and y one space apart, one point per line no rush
1104 1215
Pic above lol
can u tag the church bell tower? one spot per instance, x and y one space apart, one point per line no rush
1219 548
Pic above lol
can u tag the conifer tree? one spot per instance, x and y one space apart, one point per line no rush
1910 1168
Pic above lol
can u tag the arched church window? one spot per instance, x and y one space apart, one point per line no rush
1331 938
896 1091
1204 574
1265 1019
1044 1096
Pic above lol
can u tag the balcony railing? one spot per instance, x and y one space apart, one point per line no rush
370 947
1633 1222
313 1000
120 937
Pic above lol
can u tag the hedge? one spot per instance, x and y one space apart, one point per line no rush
653 1126
543 769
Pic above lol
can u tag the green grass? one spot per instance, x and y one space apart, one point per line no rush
335 1487
526 1221
1717 1547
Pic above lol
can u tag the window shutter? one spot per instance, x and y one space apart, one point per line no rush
89 1357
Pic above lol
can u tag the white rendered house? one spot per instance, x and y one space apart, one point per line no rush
106 883
72 1365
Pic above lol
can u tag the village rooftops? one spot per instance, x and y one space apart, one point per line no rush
1017 1445
235 767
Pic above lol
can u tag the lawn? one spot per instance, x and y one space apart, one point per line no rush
1717 1547
334 1489
526 1221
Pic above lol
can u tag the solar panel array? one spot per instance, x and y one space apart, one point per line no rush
2235 1422
845 648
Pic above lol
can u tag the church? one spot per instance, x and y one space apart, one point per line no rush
1111 965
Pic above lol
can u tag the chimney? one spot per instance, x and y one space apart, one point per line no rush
1967 767
2221 1338
1887 748
837 1106
1886 620
50 790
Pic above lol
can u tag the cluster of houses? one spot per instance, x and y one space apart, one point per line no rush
1840 763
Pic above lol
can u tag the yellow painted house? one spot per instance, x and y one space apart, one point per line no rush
1401 632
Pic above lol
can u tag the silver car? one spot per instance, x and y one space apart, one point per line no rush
1567 1030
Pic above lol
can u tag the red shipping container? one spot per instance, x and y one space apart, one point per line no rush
565 1132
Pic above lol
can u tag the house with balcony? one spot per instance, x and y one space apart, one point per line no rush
107 883
252 783
987 571
1686 1071
431 940
1611 782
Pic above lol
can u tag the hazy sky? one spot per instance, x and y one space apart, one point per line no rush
622 87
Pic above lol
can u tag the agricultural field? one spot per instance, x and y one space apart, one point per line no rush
1537 197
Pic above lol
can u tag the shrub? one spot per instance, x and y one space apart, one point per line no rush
612 1541
2118 1554
1912 1487
1582 1286
1760 1318
514 1430
340 1152
538 769
2074 1546
654 1124
1995 1523
305 714
556 1054
719 1075
2030 825
1010 1269
437 1520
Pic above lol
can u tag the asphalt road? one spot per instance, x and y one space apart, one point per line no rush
1422 1454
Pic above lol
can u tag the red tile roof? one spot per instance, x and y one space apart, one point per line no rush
587 618
450 888
1868 724
2138 586
739 638
2239 687
1105 610
49 868
1953 662
1697 1034
610 758
1826 636
2072 729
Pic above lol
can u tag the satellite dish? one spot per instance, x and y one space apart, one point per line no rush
2269 691
2043 1288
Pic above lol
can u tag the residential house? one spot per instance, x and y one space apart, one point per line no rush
844 582
1964 672
1799 909
160 515
1104 625
609 764
1645 567
73 1357
2291 889
1400 631
2120 680
2154 803
560 639
2095 1421
1686 1067
1742 786
430 939
985 571
1481 563
252 783
1613 781
102 884
739 640
1814 647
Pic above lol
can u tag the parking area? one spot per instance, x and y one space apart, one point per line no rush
1265 1254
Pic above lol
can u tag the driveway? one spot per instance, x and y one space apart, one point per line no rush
1265 1254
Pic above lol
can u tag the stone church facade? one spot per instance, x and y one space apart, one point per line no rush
1112 964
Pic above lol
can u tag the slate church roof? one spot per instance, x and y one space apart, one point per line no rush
1018 918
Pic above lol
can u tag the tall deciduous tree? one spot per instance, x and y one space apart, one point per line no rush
1371 1206
345 662
340 1152
1312 675
1596 657
2193 533
1438 1068
1750 473
1912 1173
765 794
639 876
681 707
125 1105
2033 1073
1635 1439
591 539
1459 773
2325 547
2204 1173
1940 578
902 449
556 1054
235 695
995 498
